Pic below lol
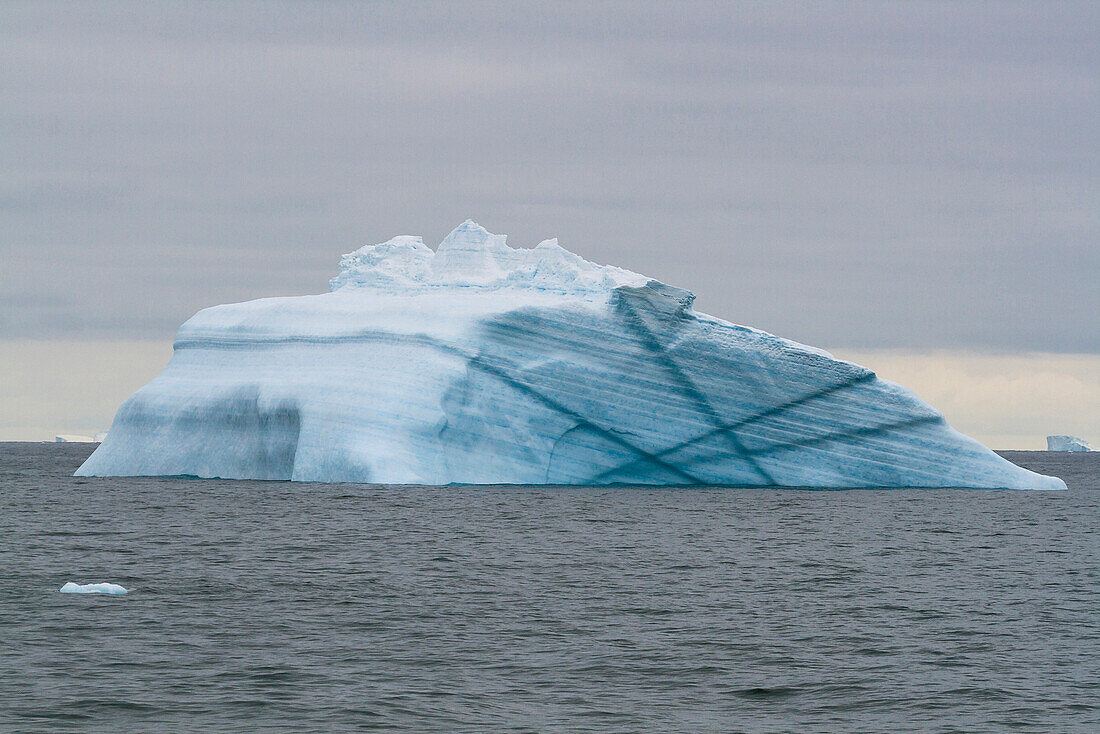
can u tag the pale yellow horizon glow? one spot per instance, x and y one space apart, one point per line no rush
1006 401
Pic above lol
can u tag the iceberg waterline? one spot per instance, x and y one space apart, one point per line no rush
101 588
482 364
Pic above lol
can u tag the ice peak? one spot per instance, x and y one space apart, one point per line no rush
471 236
472 257
470 254
471 229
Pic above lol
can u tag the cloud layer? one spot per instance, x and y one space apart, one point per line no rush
913 175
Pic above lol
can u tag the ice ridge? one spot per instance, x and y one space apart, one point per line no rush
472 257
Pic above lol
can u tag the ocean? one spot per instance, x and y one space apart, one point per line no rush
273 606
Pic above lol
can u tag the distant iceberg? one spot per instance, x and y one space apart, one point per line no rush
71 588
1067 443
79 438
482 364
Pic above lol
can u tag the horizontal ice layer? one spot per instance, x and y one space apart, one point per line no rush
482 364
71 588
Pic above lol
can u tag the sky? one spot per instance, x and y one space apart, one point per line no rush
916 184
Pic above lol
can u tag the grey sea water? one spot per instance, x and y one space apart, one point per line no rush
271 606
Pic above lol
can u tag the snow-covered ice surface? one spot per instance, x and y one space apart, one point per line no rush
1067 443
483 364
71 588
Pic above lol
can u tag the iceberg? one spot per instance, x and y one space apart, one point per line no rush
72 438
1067 443
71 588
478 363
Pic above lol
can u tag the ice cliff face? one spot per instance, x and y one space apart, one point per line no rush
479 363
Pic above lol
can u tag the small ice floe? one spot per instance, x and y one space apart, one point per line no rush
71 588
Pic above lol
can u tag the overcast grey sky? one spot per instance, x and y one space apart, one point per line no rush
912 175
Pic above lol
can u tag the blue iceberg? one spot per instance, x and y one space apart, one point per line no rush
478 363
